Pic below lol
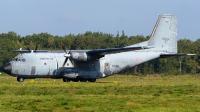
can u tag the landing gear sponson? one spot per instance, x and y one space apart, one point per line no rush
21 79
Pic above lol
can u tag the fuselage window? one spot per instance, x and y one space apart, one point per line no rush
23 60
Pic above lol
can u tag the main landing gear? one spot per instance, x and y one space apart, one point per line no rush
76 80
20 79
66 80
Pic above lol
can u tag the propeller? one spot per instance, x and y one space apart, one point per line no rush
67 55
36 47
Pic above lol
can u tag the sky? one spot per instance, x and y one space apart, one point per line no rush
62 17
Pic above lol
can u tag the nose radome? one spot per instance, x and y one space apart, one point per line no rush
7 68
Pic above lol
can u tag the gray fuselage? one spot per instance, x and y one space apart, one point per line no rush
50 65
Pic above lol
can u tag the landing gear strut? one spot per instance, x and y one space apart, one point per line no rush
83 80
76 80
91 80
20 79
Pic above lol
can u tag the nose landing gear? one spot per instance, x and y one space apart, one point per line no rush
20 79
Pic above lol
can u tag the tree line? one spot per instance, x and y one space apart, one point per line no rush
97 40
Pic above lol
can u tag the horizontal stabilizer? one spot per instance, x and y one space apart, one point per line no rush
177 54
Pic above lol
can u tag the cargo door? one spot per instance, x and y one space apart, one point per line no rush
33 70
107 65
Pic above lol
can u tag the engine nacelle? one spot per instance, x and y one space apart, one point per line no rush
80 56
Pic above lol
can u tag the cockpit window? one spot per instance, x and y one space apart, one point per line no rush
14 59
19 59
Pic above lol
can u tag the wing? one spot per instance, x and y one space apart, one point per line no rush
115 50
86 55
98 53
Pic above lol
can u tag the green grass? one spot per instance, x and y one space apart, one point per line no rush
118 93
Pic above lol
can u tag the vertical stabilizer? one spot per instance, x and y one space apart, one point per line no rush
164 35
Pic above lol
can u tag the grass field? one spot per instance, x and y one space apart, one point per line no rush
118 93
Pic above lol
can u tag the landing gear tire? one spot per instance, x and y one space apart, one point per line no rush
83 80
91 80
75 80
66 80
20 79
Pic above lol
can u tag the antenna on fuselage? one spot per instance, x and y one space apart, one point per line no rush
20 50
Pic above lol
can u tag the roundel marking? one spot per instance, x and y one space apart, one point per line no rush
137 59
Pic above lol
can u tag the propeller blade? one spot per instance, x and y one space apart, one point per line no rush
65 61
67 55
63 48
36 47
27 47
71 61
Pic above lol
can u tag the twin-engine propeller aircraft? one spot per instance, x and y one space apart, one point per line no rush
89 65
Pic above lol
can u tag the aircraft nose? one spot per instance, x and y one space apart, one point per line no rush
7 68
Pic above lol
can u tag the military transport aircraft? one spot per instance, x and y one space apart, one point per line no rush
89 65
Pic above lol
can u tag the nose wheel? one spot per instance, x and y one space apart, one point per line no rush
20 79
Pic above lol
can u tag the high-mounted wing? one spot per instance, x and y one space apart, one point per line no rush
85 55
96 54
116 50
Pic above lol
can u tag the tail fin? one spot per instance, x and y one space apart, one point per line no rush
164 35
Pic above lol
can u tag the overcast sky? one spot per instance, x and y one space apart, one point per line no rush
62 17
